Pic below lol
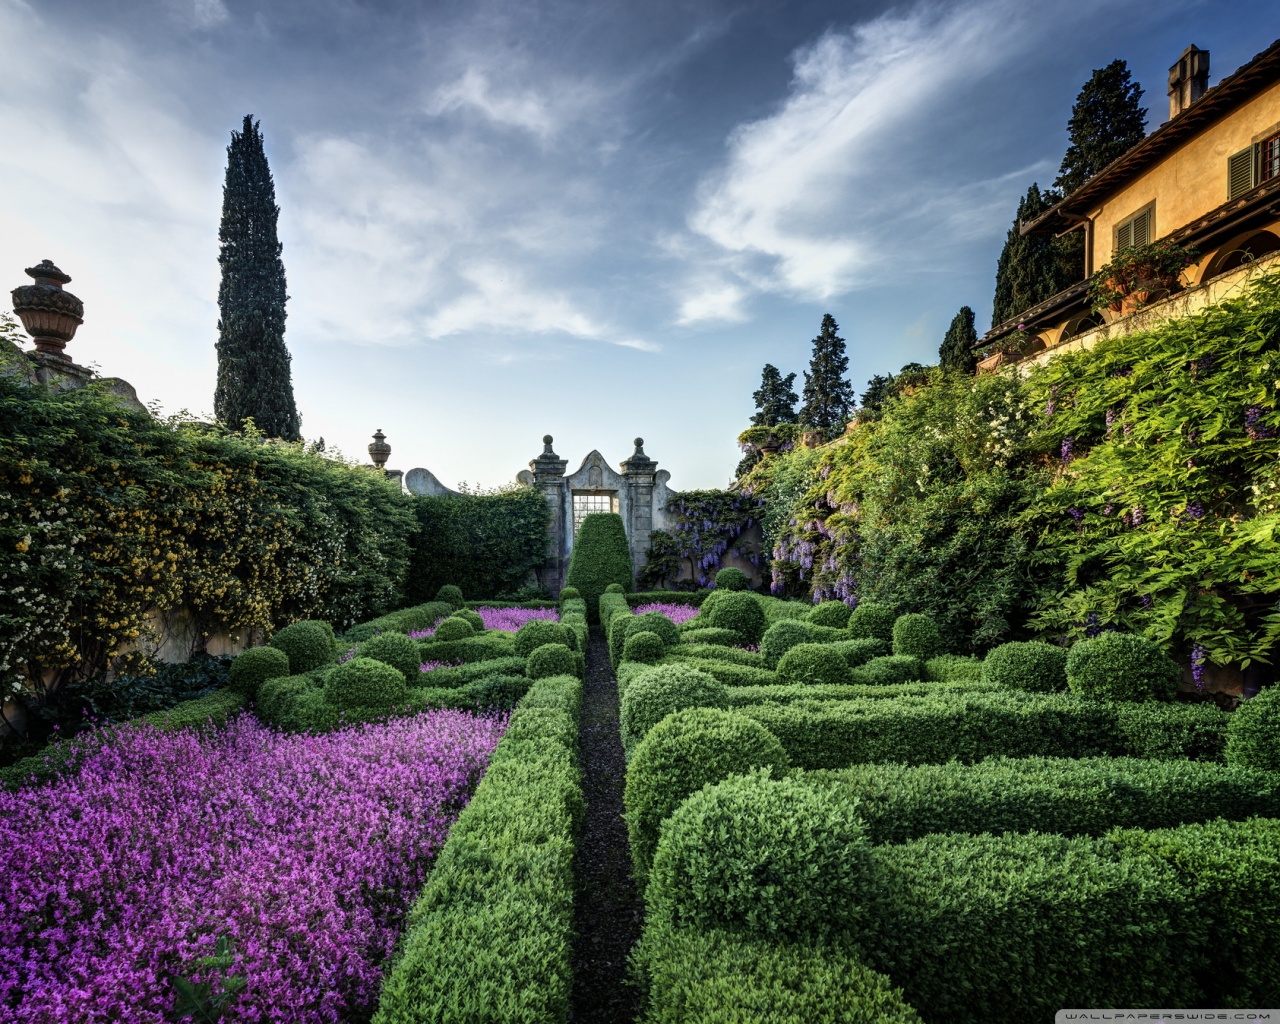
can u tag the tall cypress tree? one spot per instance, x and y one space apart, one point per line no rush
828 396
1031 268
1106 122
956 352
253 364
776 399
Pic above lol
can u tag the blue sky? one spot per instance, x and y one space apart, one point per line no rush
593 219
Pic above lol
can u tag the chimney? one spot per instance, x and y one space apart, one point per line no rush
1188 79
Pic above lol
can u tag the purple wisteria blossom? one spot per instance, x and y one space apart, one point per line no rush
1198 657
304 851
677 613
1068 450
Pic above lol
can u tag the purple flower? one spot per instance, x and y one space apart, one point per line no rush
1138 515
677 613
1092 626
1194 510
1252 416
1076 513
1068 448
1198 658
1111 419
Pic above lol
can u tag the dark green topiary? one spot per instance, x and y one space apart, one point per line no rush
472 618
453 629
307 644
739 612
365 683
781 637
859 652
1038 667
659 691
552 660
601 559
451 595
536 632
890 670
396 650
831 613
916 636
680 755
1253 733
730 578
655 622
872 622
716 637
1121 666
813 665
570 594
255 666
643 646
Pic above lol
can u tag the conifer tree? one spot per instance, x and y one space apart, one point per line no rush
1031 268
253 364
776 399
879 390
956 353
1106 122
828 396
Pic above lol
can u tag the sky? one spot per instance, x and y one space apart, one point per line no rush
593 219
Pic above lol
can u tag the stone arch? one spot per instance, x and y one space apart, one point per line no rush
1244 248
1077 325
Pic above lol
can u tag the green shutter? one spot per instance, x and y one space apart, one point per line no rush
1240 172
1142 228
1124 235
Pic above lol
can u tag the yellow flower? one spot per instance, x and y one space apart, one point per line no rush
24 544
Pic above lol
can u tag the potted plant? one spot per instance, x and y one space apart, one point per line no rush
1138 275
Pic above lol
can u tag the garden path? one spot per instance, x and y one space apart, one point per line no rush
607 914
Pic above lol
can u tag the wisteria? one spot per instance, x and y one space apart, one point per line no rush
677 613
1198 658
301 852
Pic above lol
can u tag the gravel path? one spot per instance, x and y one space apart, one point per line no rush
608 910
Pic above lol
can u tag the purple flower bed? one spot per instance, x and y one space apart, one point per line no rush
304 851
509 620
677 613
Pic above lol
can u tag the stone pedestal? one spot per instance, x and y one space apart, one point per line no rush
546 473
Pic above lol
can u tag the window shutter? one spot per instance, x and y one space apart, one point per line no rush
1239 173
1142 228
1124 235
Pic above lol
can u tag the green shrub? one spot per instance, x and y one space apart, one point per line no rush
611 606
727 672
737 611
812 665
872 622
859 652
747 696
1230 868
946 668
772 857
1121 666
396 650
471 618
707 635
307 644
453 629
730 578
780 637
834 614
615 588
365 683
1253 735
656 622
1008 929
277 702
570 594
255 666
710 652
1037 667
453 676
643 646
536 632
489 647
615 630
681 754
601 559
551 660
916 636
496 691
697 976
561 693
890 671
451 596
658 692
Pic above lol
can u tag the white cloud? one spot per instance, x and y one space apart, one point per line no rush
524 109
715 300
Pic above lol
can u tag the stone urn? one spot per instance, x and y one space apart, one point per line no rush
379 450
49 314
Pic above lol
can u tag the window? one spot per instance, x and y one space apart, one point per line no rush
1269 159
586 502
1240 169
1136 230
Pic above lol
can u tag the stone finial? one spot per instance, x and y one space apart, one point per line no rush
548 464
639 461
546 445
379 451
49 314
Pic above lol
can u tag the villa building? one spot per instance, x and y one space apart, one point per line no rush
1208 178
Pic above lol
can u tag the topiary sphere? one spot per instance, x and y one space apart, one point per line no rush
1122 666
830 613
872 622
739 612
730 578
859 652
655 622
1035 666
570 594
454 629
307 644
536 632
1253 732
396 650
659 691
451 595
644 646
614 588
781 637
472 618
890 670
255 666
916 636
365 683
551 660
773 857
813 665
681 754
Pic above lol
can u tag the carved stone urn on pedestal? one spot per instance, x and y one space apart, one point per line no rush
379 450
49 314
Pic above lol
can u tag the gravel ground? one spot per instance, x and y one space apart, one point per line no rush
608 910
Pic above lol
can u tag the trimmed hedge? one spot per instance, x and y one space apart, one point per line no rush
1122 667
307 644
745 696
947 668
916 636
365 683
659 691
472 618
491 937
551 660
813 665
601 558
727 672
453 629
831 613
396 650
708 635
492 645
255 666
890 671
731 578
656 622
1253 736
740 612
681 754
780 637
406 620
710 652
872 622
453 676
1035 667
859 652
689 597
536 632
1084 796
643 646
451 595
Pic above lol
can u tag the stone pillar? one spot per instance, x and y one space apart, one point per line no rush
639 472
548 476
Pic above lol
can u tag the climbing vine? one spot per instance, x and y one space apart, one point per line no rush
706 526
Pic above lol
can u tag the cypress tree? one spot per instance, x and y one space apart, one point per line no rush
776 399
956 353
253 363
879 390
1031 268
1106 122
828 397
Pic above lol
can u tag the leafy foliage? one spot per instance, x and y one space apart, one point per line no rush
1121 666
705 526
813 665
1035 666
255 666
1107 121
1253 737
601 558
659 691
776 399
